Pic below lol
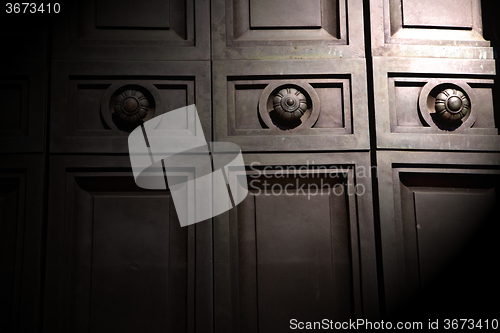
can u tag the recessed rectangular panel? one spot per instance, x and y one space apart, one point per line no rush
442 13
133 30
333 97
406 98
130 264
445 29
11 111
88 100
22 180
290 29
333 115
446 221
332 106
291 249
175 96
22 112
438 221
87 109
405 94
9 223
486 111
406 109
251 106
246 99
86 95
301 248
289 13
132 14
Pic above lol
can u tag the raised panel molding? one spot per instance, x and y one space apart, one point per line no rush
295 13
431 206
249 98
438 14
117 256
255 29
133 30
309 251
277 270
133 14
14 92
441 29
21 216
406 104
22 120
84 100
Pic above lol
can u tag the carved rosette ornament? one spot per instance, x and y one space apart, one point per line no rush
131 106
290 104
289 107
126 105
452 105
448 105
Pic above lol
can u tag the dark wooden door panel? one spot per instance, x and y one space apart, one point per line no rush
266 14
126 264
443 233
442 29
9 225
270 30
85 95
136 283
335 104
291 248
21 216
434 206
412 109
438 14
23 113
133 14
133 30
300 259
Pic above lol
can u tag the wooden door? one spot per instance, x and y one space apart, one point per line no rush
117 258
437 162
369 131
284 255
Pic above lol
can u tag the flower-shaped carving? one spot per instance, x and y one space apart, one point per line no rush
131 106
452 105
290 104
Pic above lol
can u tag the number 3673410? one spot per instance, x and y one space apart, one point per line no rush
32 8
